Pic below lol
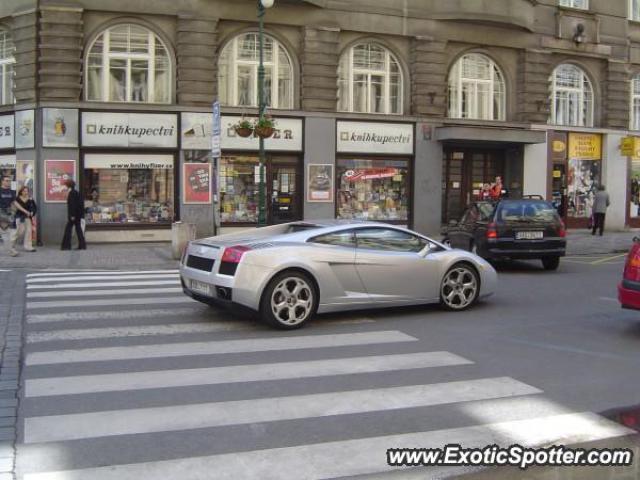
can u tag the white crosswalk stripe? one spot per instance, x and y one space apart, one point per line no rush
97 376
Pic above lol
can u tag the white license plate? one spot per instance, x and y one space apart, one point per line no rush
200 287
528 235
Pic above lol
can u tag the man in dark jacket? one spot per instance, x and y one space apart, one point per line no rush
75 214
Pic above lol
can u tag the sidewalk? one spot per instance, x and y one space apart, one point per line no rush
140 256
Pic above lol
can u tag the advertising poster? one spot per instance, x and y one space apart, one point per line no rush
320 183
24 128
24 175
60 127
55 173
197 183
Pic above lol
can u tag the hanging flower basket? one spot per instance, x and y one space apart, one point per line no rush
243 132
264 132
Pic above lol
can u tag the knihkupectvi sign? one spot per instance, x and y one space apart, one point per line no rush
373 137
129 130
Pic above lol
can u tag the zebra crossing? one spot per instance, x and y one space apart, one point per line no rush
147 384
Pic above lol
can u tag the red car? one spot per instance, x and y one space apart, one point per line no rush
629 288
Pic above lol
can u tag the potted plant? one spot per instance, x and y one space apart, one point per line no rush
265 126
243 128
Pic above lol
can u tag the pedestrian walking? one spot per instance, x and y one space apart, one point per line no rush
75 214
26 210
600 204
7 216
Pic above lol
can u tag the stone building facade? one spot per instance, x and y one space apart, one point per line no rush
397 111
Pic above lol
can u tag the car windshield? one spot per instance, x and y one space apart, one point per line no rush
526 211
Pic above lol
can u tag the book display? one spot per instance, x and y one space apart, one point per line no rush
239 180
128 196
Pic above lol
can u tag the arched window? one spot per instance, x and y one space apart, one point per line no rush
369 80
571 97
6 67
476 89
635 103
128 63
238 73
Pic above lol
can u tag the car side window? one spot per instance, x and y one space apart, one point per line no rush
388 239
340 239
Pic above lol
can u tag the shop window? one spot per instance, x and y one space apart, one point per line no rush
581 4
373 189
476 89
635 103
571 97
369 81
116 194
238 73
128 63
7 62
634 207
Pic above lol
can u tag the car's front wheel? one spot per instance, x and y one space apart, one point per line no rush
551 263
460 287
289 300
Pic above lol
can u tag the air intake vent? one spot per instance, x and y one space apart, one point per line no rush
199 263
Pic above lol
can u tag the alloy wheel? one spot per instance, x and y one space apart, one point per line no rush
292 301
459 288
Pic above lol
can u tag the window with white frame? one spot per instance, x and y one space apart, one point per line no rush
571 97
6 67
634 10
369 80
238 73
635 103
476 89
581 4
128 63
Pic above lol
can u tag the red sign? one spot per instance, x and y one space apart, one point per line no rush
370 173
56 172
197 183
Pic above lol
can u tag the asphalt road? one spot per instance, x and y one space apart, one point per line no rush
125 378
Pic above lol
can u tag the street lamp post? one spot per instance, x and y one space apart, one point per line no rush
262 6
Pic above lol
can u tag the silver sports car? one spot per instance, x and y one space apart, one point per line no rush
289 272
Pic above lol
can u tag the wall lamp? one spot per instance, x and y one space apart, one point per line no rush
579 37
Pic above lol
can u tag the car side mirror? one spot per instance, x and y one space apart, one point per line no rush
453 223
429 248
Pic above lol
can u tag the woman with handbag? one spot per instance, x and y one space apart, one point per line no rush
26 210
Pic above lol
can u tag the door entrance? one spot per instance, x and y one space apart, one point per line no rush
465 171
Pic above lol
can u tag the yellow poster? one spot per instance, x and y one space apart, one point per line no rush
585 146
630 146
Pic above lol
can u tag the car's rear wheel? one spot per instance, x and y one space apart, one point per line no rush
460 287
289 300
551 263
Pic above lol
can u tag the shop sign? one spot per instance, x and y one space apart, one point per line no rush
196 131
196 179
558 142
7 162
139 130
55 174
287 136
630 146
24 128
372 137
60 127
585 146
370 174
319 182
6 131
126 162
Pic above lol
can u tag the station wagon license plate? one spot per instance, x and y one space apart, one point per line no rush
201 288
529 235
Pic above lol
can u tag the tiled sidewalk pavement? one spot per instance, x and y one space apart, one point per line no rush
11 313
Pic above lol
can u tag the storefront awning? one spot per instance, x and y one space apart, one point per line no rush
494 135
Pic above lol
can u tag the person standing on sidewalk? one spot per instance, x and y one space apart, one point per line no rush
600 204
75 214
7 216
25 213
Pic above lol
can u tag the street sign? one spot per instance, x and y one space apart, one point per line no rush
215 137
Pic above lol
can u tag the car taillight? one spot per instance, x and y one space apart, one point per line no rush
492 232
562 230
632 265
234 254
